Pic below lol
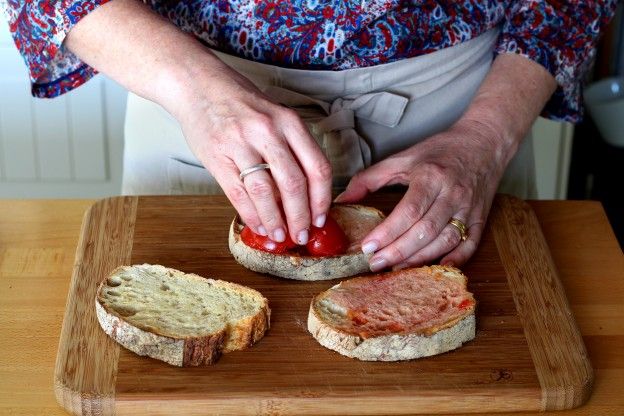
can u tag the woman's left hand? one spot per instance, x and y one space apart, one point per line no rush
453 174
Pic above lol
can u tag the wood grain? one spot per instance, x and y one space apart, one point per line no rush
86 364
278 375
556 345
37 247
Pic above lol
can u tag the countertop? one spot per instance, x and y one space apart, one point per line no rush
38 241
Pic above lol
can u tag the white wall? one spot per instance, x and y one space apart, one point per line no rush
552 146
66 147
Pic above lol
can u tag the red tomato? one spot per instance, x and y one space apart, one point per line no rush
329 240
263 243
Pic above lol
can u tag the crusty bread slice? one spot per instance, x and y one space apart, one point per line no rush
399 315
355 220
182 319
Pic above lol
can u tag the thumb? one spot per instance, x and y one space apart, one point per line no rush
365 181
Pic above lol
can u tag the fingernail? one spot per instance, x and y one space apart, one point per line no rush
378 264
338 198
262 231
319 222
270 245
279 235
448 264
302 237
370 247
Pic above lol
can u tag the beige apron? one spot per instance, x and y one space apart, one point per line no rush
357 116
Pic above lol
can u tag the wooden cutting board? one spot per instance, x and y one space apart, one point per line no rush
527 355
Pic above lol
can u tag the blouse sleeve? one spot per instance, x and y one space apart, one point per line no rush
39 28
561 36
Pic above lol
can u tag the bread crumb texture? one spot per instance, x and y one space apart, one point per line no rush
183 319
175 305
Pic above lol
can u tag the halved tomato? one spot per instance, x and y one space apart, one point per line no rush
264 243
328 240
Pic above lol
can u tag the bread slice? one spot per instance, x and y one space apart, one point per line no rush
355 220
182 319
399 315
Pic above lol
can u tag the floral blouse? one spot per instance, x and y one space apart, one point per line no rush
334 34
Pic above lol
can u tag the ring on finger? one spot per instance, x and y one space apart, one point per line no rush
252 169
461 227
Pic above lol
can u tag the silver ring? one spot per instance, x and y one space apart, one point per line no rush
252 169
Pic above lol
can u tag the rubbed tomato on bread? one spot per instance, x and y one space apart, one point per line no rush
328 240
400 315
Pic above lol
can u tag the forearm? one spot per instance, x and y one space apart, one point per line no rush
142 51
509 100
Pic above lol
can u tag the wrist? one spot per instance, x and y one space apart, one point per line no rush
187 80
495 138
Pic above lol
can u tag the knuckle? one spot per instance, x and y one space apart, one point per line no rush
295 184
323 171
237 194
396 254
272 221
299 220
436 171
323 202
259 188
289 114
428 228
263 123
450 239
411 212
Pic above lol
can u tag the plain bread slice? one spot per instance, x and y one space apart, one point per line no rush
182 319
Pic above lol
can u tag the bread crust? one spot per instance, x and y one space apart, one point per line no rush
395 347
184 351
297 267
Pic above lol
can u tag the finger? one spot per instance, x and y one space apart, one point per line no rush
448 239
315 165
419 235
466 249
364 182
410 209
293 188
261 190
226 174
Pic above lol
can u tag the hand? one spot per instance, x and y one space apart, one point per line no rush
228 123
231 125
451 174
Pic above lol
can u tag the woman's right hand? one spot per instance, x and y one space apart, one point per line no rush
230 125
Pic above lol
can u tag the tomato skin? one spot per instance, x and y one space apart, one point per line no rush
328 240
264 243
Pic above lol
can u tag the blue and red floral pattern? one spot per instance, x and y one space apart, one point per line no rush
335 34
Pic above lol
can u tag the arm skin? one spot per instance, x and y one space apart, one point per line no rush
454 173
228 123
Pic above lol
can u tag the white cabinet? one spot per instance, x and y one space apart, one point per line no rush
70 146
552 145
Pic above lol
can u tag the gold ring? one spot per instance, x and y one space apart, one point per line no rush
463 231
